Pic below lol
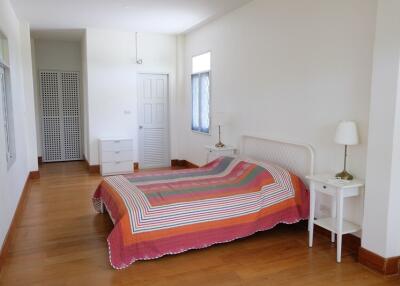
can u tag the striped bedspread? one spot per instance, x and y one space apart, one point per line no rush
167 212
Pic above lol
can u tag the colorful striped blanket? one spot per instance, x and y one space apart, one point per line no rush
167 212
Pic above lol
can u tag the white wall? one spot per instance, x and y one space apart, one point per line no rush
291 70
111 78
31 133
381 217
58 55
12 181
85 108
53 55
38 123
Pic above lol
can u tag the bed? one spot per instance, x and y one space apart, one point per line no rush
168 212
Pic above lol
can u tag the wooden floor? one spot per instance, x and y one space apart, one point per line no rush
61 240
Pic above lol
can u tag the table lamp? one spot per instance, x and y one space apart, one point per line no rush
346 134
220 119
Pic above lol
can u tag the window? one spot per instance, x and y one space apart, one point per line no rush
6 102
201 93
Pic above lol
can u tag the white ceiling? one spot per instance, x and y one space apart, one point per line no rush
161 16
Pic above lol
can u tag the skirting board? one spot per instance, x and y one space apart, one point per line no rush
21 204
182 163
34 175
92 169
174 163
95 169
386 266
349 242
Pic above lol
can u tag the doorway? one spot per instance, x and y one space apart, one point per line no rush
153 120
61 122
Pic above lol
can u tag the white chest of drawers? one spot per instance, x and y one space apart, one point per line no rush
116 156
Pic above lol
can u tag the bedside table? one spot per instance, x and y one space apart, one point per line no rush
338 190
215 152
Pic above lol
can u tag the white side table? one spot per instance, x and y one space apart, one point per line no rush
338 190
215 152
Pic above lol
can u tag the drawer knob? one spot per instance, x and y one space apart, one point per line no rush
117 152
116 141
324 187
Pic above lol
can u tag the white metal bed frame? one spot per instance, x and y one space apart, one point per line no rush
298 158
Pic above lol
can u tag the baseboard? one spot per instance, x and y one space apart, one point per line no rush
349 241
191 165
92 169
183 163
34 175
8 238
386 266
178 163
95 169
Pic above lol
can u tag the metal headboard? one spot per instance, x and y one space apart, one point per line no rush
298 158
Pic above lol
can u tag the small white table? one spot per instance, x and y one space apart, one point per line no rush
215 152
338 190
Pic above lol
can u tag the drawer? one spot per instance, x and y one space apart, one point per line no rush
116 145
214 154
324 188
222 152
116 156
114 168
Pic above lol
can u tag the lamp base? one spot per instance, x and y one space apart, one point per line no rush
344 175
220 145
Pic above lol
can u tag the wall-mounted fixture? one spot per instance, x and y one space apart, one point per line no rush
138 61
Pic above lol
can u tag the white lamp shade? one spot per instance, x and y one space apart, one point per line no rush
221 118
346 133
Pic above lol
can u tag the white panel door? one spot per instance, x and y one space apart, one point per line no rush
153 121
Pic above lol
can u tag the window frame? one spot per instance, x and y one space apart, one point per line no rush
7 107
209 95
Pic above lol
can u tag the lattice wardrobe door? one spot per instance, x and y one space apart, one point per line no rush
51 121
71 115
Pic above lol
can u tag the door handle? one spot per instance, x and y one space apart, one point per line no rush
140 126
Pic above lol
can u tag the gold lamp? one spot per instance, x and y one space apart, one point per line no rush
346 134
220 119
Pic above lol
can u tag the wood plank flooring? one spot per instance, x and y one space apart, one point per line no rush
61 240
